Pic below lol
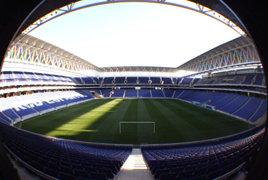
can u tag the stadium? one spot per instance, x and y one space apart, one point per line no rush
62 117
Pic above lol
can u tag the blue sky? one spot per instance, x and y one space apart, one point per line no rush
135 34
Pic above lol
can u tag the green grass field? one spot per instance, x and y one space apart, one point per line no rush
98 121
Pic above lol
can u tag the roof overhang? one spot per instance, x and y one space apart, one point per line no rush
49 9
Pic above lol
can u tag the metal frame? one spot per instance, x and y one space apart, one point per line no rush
32 51
35 51
74 6
136 122
237 53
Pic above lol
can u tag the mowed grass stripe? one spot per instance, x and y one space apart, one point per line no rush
165 131
87 121
109 128
49 122
200 120
98 121
210 123
188 131
145 130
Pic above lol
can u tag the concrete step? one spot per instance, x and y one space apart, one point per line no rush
134 168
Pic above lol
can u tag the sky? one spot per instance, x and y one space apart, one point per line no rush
135 34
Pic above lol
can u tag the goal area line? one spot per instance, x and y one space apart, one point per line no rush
136 122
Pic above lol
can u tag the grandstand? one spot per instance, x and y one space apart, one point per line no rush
32 87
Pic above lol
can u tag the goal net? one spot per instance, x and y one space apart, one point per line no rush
136 122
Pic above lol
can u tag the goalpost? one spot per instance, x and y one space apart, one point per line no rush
136 122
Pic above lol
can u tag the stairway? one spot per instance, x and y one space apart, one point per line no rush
134 168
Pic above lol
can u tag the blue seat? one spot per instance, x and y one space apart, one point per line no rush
185 174
108 172
66 169
52 172
66 176
167 176
98 176
213 174
200 177
81 174
161 171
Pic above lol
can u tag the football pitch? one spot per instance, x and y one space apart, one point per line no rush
98 121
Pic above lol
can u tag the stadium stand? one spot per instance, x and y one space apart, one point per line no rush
199 160
4 119
88 80
202 160
145 93
106 92
22 78
118 93
248 79
21 109
7 110
120 80
155 80
179 80
166 81
143 80
168 93
235 104
247 108
177 93
108 80
258 80
131 93
62 159
186 81
157 94
131 80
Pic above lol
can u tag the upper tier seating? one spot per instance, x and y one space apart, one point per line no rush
233 80
131 80
143 80
259 80
155 80
21 78
108 80
186 81
167 81
63 159
120 80
88 80
179 80
248 79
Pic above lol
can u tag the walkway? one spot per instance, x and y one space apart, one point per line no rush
134 168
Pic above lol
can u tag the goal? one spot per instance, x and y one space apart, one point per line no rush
136 122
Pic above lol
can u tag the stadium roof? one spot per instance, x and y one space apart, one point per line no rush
33 51
39 51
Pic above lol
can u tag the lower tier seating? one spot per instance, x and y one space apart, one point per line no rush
202 160
63 159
